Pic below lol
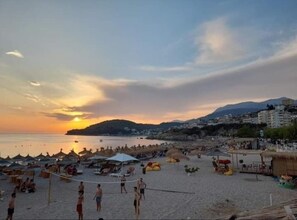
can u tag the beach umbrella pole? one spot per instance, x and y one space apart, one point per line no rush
49 188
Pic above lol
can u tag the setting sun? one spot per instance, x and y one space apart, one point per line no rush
77 119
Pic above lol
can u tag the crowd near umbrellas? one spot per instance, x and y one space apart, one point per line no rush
121 157
217 153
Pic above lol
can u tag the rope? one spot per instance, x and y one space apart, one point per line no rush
86 181
172 191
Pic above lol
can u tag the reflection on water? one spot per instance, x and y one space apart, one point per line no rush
34 144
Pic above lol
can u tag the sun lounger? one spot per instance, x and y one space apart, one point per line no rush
65 177
79 170
97 172
116 174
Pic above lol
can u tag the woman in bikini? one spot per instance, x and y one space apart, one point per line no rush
123 181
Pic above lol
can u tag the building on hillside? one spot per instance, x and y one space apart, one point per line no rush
264 117
275 118
249 119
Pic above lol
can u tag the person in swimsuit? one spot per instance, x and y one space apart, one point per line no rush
142 186
123 180
81 187
79 206
98 197
136 202
10 209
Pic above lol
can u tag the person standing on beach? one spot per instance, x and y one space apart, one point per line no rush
79 208
136 202
123 180
98 197
81 187
141 186
10 209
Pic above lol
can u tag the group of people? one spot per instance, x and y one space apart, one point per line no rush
26 186
138 195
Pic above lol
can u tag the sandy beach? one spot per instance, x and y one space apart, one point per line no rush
170 194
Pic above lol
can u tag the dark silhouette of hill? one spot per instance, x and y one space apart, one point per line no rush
121 127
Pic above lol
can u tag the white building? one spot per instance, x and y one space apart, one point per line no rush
275 118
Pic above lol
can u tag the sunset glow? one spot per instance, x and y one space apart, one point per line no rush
60 71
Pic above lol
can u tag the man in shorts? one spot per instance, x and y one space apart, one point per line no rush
10 209
98 197
142 186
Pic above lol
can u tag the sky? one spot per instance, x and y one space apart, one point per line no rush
70 64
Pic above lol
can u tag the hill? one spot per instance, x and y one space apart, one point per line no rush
243 108
121 127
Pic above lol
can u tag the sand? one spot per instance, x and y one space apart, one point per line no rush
203 195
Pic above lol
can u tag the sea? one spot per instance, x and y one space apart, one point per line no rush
34 144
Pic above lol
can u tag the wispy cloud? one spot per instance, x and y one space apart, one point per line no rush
32 97
34 83
165 69
217 43
15 53
254 81
65 117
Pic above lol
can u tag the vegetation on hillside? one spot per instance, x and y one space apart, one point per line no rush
289 132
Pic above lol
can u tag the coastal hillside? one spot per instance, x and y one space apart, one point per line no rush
122 127
224 130
242 108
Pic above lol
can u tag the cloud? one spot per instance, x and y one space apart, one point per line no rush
218 43
287 49
65 117
32 97
34 83
269 78
15 53
165 69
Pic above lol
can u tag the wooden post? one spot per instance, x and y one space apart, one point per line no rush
49 188
237 161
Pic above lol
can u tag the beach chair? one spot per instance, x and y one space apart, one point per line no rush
97 172
79 170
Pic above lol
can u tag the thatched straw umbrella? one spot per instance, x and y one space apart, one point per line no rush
84 151
172 151
18 157
60 154
40 156
179 156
